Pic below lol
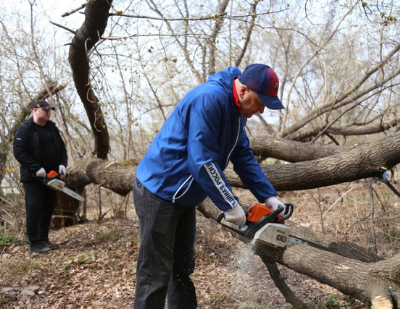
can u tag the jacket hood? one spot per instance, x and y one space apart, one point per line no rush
225 78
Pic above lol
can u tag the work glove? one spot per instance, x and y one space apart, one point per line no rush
62 171
235 215
41 173
273 203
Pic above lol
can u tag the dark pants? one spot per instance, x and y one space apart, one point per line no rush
40 202
166 256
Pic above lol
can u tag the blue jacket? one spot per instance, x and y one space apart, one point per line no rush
184 164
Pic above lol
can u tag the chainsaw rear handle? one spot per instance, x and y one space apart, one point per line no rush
219 219
238 230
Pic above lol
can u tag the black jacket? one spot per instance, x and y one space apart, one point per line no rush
27 149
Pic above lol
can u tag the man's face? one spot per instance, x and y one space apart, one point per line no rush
250 102
42 115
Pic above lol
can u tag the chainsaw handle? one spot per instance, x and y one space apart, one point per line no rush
239 231
287 214
219 219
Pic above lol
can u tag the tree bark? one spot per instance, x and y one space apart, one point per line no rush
86 37
366 160
290 150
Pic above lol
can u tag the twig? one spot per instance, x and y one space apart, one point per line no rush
332 206
281 284
63 27
386 182
371 196
120 37
357 223
74 10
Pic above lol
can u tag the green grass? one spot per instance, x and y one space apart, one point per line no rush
339 302
2 300
87 258
6 239
107 235
30 266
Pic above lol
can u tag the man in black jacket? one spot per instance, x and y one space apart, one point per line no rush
39 148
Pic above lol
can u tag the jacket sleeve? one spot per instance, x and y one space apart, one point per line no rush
249 171
63 150
203 125
22 140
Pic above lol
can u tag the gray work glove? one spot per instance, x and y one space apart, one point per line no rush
62 170
235 215
41 173
273 203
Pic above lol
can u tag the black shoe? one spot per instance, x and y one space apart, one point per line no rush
38 247
47 243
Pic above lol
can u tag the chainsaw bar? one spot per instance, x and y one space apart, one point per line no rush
57 184
293 240
73 194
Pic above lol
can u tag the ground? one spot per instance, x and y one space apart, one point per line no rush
94 266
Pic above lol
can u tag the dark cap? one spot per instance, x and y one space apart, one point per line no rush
43 104
263 80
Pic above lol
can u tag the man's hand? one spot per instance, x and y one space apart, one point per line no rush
235 215
273 204
62 170
41 173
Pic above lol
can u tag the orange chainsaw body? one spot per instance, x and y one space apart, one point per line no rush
257 211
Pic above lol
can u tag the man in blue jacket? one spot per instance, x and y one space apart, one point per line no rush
183 165
39 148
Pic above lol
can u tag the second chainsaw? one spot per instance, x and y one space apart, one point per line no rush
54 181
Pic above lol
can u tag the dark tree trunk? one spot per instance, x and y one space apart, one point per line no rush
96 16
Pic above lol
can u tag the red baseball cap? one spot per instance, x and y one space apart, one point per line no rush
263 80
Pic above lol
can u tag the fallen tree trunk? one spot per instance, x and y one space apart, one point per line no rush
368 160
347 267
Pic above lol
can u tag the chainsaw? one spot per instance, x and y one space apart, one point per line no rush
55 182
264 225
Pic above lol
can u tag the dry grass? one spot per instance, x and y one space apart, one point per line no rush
95 266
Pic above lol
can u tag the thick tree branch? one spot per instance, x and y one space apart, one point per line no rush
92 29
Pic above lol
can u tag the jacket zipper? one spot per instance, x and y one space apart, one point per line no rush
183 193
237 138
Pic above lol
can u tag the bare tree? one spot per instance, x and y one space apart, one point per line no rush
338 84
